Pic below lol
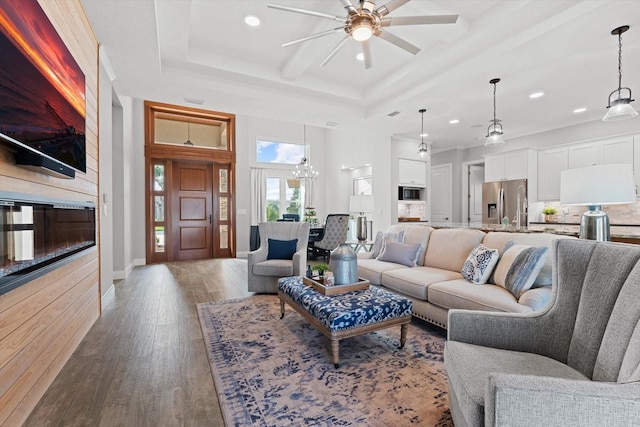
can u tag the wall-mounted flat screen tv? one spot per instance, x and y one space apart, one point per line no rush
42 88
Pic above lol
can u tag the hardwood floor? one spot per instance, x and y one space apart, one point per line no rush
144 363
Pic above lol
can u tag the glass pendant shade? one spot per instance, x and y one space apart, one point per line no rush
494 131
303 169
620 109
423 151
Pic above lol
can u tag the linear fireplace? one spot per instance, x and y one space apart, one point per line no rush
37 236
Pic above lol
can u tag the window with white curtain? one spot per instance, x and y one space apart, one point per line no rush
284 195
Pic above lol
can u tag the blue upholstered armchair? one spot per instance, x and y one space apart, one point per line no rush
574 363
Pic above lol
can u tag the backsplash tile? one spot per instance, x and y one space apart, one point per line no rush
618 214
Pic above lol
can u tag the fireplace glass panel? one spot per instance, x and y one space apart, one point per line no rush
35 235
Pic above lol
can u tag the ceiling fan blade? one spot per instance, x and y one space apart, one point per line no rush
335 50
366 52
306 12
314 36
351 9
419 20
401 43
390 7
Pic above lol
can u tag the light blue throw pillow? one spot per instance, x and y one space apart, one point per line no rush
480 264
380 238
400 253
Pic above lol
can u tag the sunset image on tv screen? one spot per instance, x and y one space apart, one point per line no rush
42 88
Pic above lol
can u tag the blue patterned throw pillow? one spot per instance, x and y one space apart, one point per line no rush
479 264
281 249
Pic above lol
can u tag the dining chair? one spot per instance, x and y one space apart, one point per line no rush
335 232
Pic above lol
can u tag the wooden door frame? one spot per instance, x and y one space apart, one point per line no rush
168 153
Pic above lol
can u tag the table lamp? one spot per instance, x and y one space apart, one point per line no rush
361 204
595 186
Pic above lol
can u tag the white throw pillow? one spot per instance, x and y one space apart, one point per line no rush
480 264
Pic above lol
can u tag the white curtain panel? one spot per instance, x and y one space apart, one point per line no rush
258 196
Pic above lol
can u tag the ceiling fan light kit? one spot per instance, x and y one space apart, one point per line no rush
366 21
619 106
494 131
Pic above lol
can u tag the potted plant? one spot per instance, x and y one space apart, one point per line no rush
550 214
321 268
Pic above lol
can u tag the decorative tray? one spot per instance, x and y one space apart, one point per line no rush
319 286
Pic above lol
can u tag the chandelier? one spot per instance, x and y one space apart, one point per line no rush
304 170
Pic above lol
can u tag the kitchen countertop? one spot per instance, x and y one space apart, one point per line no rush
617 232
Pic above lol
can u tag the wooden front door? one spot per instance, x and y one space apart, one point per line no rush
191 208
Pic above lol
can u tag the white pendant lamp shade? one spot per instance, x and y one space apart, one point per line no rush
611 184
619 105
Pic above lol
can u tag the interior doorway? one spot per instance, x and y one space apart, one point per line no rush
441 198
472 180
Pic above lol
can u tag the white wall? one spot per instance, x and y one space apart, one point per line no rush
105 197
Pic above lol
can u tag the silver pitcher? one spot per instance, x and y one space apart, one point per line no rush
344 265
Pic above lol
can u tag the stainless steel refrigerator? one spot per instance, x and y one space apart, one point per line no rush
502 199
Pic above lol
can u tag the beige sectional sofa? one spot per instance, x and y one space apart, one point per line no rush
436 284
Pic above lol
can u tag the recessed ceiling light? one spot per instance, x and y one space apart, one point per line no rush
252 21
536 95
360 56
580 110
454 121
424 135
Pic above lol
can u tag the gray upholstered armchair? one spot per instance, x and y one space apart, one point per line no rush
263 273
575 363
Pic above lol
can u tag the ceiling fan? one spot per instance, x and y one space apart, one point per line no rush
365 21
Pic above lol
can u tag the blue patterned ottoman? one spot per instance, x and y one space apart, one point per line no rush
346 315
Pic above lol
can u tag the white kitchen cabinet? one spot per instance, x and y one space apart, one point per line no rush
550 164
603 152
636 162
506 166
581 155
618 150
412 173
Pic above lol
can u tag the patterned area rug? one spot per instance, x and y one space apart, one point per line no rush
278 372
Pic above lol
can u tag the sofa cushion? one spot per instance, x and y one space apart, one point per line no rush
449 247
519 266
462 294
480 264
415 281
468 367
281 249
372 269
380 238
497 240
273 267
400 253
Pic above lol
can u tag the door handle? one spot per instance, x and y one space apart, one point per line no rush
210 217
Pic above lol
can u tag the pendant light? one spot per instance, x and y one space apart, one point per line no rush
304 170
188 141
494 131
422 148
620 108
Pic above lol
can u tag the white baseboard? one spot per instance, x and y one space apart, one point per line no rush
108 297
120 274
